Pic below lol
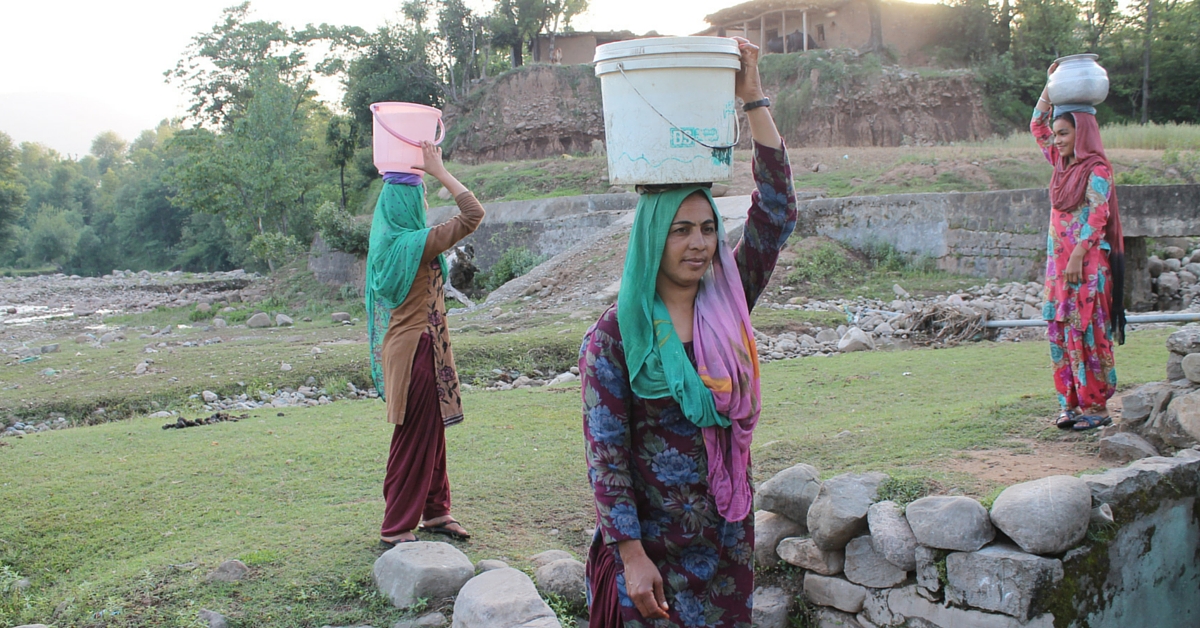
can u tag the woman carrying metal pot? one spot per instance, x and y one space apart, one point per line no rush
1084 301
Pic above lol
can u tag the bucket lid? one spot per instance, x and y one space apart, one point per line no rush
665 45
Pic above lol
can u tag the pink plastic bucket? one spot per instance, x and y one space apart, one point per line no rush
399 129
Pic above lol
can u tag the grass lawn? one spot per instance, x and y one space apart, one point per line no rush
117 524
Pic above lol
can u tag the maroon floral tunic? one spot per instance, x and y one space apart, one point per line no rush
647 463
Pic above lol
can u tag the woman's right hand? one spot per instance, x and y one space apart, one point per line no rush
643 582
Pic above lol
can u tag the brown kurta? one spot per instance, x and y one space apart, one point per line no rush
424 311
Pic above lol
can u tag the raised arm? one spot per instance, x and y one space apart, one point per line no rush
1039 125
447 234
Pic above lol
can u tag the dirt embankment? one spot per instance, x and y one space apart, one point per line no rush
529 113
837 99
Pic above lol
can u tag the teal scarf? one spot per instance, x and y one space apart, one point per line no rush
654 354
398 235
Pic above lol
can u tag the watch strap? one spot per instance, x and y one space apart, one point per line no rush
755 104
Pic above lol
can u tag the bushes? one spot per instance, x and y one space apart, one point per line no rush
341 231
515 262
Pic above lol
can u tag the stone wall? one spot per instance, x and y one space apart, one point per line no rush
336 268
1109 550
999 234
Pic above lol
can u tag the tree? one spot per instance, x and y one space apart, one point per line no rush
53 236
875 18
460 30
560 13
394 66
109 150
1044 31
12 193
342 138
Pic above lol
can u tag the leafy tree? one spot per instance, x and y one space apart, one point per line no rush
461 31
12 192
109 150
53 236
341 136
394 65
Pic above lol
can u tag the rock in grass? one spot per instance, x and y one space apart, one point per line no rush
1045 516
428 620
790 492
422 569
489 564
213 619
564 578
891 535
502 598
953 523
340 317
839 513
547 557
258 321
283 320
855 340
230 571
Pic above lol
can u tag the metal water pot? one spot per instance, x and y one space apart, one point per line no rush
1078 80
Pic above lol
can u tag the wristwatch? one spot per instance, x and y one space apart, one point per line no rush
755 104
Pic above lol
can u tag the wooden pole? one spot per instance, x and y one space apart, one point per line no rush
762 32
805 20
783 30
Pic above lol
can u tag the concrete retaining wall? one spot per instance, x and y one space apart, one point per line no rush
998 234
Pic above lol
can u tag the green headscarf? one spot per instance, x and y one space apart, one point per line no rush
654 354
398 235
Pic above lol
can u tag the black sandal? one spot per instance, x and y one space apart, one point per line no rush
1091 421
1066 420
443 528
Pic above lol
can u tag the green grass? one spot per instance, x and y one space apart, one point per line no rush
125 519
491 182
822 268
1152 136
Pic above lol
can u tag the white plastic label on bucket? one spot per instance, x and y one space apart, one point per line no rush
669 114
397 133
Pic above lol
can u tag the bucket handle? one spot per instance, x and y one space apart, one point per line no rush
737 134
437 140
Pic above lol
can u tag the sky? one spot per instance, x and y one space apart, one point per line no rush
73 69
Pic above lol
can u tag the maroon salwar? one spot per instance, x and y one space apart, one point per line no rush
416 484
604 598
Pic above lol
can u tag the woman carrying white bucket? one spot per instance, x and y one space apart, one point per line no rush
670 386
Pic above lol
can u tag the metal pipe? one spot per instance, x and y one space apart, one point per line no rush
1182 317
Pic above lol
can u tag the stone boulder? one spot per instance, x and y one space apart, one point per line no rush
422 569
547 557
771 606
855 340
928 577
1001 578
891 535
869 568
805 554
826 336
1191 367
213 619
769 530
564 578
1184 341
428 620
258 321
502 598
489 564
340 317
1125 446
839 513
283 320
229 571
953 523
836 592
790 493
1045 516
1145 401
1175 368
1181 425
907 602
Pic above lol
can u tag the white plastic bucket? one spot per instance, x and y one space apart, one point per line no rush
669 114
399 129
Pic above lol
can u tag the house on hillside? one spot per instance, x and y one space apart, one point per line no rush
795 25
574 47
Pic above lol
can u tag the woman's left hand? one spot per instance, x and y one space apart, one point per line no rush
1074 270
748 85
433 165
